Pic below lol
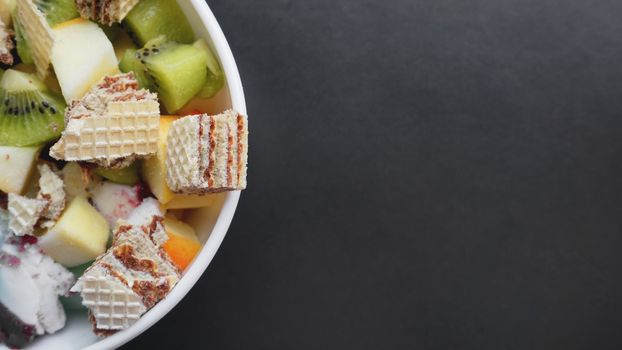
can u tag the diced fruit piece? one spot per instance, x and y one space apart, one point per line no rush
16 164
30 114
152 18
125 176
78 181
57 11
115 201
176 71
82 55
79 236
154 168
182 245
215 76
6 9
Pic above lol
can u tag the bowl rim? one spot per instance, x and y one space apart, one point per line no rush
202 261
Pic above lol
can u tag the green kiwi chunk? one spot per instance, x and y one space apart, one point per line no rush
215 79
178 72
57 11
29 114
125 176
151 18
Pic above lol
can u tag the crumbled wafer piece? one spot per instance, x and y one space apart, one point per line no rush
111 125
51 188
105 12
207 154
24 213
6 44
130 278
38 33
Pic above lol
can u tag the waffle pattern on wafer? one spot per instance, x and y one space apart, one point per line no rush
38 33
6 44
113 121
24 213
113 304
207 154
105 12
130 278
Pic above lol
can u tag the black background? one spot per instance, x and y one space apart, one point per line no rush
424 174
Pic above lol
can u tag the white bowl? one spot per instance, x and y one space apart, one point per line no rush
211 223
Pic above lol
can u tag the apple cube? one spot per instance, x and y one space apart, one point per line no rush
16 164
82 56
79 236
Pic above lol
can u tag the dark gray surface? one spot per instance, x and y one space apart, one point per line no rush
440 174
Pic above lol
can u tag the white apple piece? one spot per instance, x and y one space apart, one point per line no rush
79 236
16 164
82 56
115 201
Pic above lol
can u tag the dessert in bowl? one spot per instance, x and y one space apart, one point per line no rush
124 160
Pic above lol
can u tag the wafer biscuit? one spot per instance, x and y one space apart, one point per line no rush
131 277
105 12
24 213
38 33
207 154
111 125
51 189
113 305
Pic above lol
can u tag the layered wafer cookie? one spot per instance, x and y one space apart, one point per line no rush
207 154
105 12
114 123
130 278
24 213
38 33
6 44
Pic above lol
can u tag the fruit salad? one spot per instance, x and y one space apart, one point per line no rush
98 161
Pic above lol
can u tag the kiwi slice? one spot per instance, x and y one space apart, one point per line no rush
57 11
177 72
151 18
125 176
215 76
29 113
